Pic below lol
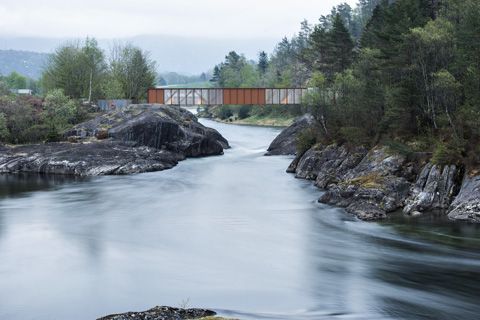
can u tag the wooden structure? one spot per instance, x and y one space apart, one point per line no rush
225 96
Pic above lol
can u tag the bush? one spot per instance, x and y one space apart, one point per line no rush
52 136
306 140
35 134
243 112
446 154
225 112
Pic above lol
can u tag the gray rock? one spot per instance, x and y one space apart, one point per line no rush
466 206
89 159
356 179
143 138
162 313
434 189
286 142
161 127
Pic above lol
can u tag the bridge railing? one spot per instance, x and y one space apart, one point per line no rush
226 96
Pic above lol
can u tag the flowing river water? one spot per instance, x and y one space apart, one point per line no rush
232 233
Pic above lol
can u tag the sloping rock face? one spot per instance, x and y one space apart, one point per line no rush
143 138
87 159
466 206
286 142
167 128
372 183
162 313
435 188
372 187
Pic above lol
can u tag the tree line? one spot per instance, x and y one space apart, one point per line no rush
85 71
74 75
405 73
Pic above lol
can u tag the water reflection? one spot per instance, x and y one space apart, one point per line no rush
17 184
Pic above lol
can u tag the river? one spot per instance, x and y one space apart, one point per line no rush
232 233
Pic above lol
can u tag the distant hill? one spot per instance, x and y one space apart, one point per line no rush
25 63
190 56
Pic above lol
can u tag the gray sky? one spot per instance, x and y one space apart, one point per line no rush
246 19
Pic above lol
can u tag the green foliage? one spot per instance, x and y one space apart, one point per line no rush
4 133
133 69
225 112
447 154
243 112
35 134
52 136
76 70
306 140
112 89
59 110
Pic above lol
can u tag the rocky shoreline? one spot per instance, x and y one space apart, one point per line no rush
162 313
138 138
372 183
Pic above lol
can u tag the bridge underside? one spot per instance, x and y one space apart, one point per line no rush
227 96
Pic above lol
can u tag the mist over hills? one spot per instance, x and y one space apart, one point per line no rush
189 56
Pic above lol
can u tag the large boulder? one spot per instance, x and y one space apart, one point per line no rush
286 142
466 205
161 127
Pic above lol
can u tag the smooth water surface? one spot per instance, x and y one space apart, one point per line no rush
233 233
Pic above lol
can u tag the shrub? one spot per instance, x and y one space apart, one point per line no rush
243 112
52 136
446 154
225 112
35 134
306 140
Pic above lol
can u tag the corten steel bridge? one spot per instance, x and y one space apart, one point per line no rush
229 96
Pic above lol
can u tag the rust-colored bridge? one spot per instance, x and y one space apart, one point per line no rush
229 96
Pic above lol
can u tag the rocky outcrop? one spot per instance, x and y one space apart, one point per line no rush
162 313
161 127
87 159
372 183
466 206
143 138
435 188
286 142
372 187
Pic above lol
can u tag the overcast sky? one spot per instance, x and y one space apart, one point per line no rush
120 18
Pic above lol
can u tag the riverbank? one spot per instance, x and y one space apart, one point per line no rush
256 115
370 183
138 138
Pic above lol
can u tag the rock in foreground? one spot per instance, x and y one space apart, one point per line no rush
162 313
143 138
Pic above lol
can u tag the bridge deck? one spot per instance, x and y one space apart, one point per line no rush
229 96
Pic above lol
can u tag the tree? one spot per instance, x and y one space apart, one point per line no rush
340 46
262 63
94 61
59 110
134 69
76 70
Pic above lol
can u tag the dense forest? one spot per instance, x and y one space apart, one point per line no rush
405 73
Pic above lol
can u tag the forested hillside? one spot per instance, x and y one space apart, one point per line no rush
25 63
405 73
